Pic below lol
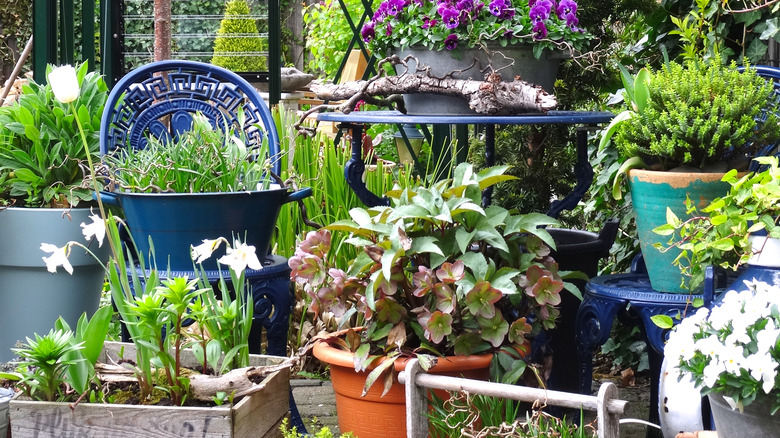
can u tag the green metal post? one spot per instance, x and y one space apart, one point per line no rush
67 33
274 52
45 41
88 32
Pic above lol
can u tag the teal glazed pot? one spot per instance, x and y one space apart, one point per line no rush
651 193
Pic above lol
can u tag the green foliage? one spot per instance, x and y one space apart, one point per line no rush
45 362
696 114
15 29
720 233
328 34
529 151
201 160
91 334
435 272
463 414
42 159
238 43
626 348
324 432
736 28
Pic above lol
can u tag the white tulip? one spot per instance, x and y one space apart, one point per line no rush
64 83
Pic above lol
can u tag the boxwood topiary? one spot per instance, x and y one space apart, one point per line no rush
238 41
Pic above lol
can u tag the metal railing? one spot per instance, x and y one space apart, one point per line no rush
607 406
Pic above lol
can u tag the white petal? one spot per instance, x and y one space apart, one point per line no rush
58 257
64 83
97 229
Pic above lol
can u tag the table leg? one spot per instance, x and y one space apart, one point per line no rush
584 173
593 326
353 170
490 160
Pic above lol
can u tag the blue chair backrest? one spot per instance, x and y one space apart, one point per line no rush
770 74
160 98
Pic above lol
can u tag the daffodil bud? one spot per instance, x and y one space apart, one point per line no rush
64 83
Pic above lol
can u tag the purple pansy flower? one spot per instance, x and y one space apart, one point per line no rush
368 32
507 14
465 5
394 7
539 30
539 13
572 22
428 23
451 42
389 30
449 16
566 8
497 7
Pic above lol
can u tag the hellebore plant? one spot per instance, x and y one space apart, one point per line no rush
455 24
437 275
732 350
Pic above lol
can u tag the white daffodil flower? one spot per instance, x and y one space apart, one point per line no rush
64 83
240 257
96 229
204 250
58 257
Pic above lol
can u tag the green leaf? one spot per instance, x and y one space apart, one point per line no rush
641 89
386 364
663 321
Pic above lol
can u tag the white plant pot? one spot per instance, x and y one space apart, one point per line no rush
766 251
679 403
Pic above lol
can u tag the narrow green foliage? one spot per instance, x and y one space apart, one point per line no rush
699 113
42 159
45 364
201 160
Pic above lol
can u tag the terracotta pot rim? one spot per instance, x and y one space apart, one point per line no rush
325 352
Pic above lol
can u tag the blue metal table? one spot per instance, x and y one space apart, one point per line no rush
353 171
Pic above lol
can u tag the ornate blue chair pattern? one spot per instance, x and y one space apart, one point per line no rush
159 100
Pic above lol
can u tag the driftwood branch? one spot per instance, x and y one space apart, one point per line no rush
489 97
239 382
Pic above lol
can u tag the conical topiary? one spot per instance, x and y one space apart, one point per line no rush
238 41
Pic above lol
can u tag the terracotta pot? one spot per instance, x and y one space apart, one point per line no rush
374 415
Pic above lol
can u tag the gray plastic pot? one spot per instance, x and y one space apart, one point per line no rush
5 399
31 298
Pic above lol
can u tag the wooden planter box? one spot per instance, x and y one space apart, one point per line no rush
257 416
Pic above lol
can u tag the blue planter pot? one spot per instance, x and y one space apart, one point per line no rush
651 193
175 221
32 298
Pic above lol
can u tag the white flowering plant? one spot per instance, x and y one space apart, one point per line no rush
732 350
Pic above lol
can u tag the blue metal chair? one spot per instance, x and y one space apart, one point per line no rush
770 74
159 100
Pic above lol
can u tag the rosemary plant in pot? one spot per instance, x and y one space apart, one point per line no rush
45 194
439 278
469 38
686 125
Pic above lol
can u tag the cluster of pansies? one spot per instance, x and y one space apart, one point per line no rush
733 349
453 24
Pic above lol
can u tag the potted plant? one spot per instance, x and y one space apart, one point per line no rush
157 369
44 196
738 228
466 38
685 125
730 353
438 278
205 183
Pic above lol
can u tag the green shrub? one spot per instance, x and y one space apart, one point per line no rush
238 40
